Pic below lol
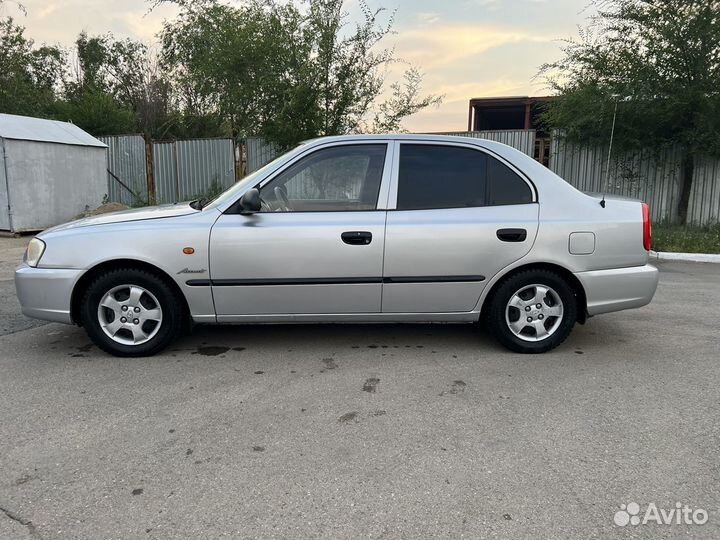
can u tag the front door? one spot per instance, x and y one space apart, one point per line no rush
460 217
317 245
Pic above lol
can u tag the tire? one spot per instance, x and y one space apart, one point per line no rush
521 294
140 316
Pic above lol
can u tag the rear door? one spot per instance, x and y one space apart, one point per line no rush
317 245
457 215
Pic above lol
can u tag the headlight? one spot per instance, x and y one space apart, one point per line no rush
34 251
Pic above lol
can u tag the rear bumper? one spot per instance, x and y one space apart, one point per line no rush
45 293
618 288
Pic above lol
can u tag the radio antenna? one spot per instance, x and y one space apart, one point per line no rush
607 167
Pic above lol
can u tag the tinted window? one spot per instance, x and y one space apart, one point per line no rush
455 177
505 186
341 178
440 177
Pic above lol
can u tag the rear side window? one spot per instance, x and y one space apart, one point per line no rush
455 177
440 177
505 186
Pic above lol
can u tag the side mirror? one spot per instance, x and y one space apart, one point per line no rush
250 202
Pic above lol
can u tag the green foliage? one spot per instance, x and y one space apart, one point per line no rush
686 239
660 63
284 70
272 69
29 76
405 101
96 112
659 60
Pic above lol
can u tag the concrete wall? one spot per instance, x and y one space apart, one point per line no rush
51 183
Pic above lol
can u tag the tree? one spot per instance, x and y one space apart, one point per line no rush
120 83
29 77
273 69
660 63
405 101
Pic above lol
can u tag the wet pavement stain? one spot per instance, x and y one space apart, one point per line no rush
329 363
258 448
211 351
457 387
348 417
378 413
370 385
85 348
24 479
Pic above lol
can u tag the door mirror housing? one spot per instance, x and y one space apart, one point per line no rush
250 202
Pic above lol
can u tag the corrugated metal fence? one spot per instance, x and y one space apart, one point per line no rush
188 169
651 176
182 170
259 152
520 139
126 165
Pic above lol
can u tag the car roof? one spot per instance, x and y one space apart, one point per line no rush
419 137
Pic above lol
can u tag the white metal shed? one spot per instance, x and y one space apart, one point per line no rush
50 172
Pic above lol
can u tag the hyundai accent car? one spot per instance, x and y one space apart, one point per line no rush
353 229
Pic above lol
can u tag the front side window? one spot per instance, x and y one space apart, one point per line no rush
340 178
434 177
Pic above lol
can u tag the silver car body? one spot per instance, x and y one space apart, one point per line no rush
421 265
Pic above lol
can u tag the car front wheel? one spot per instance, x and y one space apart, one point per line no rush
533 311
130 312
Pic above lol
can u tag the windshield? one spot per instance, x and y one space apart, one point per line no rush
231 193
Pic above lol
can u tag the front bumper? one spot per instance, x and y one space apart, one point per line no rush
618 288
45 293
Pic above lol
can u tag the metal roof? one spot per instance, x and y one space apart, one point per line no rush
26 128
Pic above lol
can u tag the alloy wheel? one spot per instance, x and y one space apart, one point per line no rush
534 313
129 314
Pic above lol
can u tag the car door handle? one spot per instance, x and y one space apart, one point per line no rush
512 235
357 238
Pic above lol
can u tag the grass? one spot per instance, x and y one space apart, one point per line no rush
686 239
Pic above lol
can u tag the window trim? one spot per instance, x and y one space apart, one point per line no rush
383 193
395 179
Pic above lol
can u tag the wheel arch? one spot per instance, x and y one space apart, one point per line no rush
566 274
114 264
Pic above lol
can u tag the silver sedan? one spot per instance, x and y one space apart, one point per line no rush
353 229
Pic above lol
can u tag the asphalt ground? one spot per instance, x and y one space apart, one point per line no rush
372 431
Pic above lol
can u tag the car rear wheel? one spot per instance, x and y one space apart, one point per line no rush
532 311
129 312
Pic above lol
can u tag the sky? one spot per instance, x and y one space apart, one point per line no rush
465 48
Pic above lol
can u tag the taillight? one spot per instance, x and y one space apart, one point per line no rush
647 227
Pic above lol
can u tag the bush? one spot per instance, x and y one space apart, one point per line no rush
686 239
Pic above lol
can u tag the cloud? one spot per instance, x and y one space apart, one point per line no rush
428 17
445 44
61 21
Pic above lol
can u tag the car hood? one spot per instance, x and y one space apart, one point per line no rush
134 214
